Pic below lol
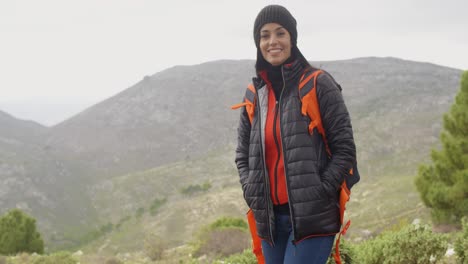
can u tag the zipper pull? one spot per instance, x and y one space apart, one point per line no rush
276 105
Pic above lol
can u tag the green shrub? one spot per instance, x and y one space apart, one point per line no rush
18 234
107 228
461 244
347 253
192 189
122 221
228 222
157 203
223 237
56 258
411 244
139 212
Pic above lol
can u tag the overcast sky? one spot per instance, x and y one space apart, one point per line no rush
59 56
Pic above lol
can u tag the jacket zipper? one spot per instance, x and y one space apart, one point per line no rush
279 154
291 213
267 187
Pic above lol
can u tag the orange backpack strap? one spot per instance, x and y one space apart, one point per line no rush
310 106
256 241
249 102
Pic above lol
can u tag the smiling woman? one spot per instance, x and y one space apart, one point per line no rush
295 148
275 43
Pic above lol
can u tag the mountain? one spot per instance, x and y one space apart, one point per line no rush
175 114
36 179
65 174
21 130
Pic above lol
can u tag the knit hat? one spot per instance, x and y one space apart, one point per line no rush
275 14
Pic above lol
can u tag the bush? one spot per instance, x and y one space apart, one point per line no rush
139 212
122 221
223 237
18 234
157 203
59 257
347 253
154 247
461 244
192 189
411 244
228 222
107 228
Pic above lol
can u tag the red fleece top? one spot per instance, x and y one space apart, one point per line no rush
273 153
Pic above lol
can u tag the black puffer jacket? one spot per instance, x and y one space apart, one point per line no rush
313 179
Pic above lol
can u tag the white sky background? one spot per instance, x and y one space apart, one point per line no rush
59 56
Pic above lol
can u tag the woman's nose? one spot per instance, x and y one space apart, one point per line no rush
273 40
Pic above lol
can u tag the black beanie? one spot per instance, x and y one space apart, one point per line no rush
275 14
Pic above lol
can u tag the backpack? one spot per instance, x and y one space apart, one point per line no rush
310 107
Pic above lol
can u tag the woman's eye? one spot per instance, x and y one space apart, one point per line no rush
264 36
280 33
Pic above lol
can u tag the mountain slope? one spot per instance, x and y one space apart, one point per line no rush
184 111
36 179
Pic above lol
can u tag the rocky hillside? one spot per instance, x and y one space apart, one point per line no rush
184 111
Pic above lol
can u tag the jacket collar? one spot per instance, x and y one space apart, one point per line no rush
291 72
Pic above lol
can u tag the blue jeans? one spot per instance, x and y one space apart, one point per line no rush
315 250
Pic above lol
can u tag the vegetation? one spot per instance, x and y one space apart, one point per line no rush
154 247
222 238
229 222
155 205
95 234
18 234
461 245
122 221
192 189
139 212
443 185
59 257
347 253
411 244
55 258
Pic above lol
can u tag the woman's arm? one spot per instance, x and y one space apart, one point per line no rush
242 150
339 133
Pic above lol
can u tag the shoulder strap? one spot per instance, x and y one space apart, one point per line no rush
310 105
249 102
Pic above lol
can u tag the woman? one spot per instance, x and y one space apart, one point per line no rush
289 181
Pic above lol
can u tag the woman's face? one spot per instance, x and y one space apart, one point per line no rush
275 43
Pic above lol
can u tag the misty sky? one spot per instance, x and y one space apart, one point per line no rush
59 56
